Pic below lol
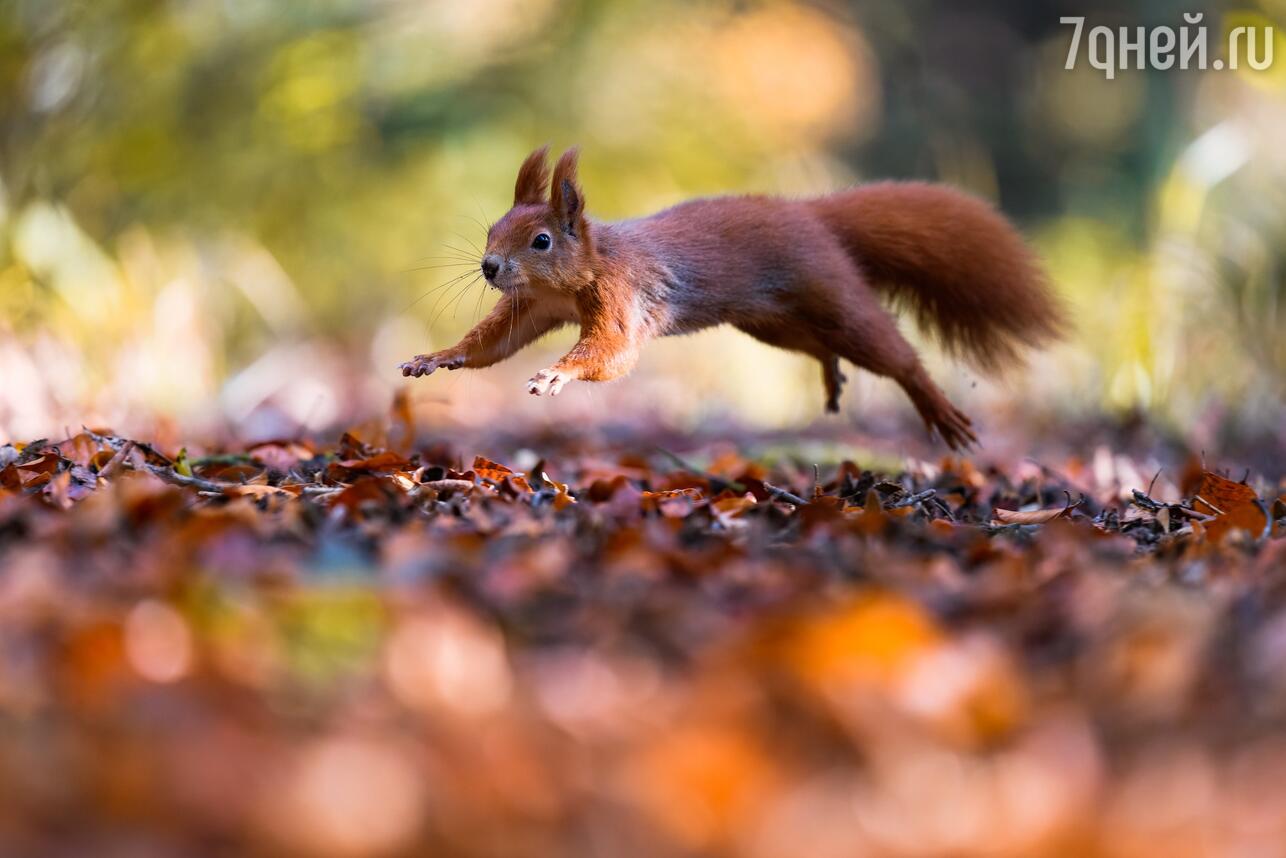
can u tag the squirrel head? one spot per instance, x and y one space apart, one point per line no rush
542 243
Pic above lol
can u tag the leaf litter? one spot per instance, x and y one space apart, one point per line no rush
361 648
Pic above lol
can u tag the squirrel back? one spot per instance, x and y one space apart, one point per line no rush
962 271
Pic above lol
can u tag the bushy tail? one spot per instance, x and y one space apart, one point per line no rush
961 269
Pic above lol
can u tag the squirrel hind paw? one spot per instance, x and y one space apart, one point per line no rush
955 429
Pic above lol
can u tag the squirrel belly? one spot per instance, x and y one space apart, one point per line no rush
803 275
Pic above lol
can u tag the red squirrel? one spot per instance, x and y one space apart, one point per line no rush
804 275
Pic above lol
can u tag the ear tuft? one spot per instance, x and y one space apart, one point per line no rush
566 197
533 178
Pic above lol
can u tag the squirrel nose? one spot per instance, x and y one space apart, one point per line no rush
490 267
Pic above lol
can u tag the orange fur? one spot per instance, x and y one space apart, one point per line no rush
803 275
964 272
533 179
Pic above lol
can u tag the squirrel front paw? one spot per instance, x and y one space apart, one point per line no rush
549 381
426 364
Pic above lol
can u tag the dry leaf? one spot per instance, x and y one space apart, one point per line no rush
498 473
563 497
1234 505
1035 516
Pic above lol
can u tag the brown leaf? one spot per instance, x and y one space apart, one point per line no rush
443 486
1234 505
674 503
258 491
386 461
280 457
497 473
80 448
46 464
727 509
1036 516
373 491
563 497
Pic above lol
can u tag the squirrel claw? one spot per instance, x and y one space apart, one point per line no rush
956 429
950 424
547 381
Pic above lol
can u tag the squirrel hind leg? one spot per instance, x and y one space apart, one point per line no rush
950 424
868 337
796 340
833 379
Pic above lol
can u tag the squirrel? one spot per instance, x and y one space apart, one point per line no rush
805 275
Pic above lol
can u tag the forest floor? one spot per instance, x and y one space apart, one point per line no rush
390 644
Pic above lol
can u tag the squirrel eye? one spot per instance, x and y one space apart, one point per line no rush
541 242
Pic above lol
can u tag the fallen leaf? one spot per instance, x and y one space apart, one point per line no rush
498 473
1035 516
562 497
673 503
1234 505
256 490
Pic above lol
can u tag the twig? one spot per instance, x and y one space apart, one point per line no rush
717 483
116 442
117 461
449 485
175 478
783 494
911 500
1140 499
321 490
1217 510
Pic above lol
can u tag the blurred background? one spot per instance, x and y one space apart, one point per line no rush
231 213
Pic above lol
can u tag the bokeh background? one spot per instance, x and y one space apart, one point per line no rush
228 214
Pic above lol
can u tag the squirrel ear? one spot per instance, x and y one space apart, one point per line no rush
566 197
533 178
